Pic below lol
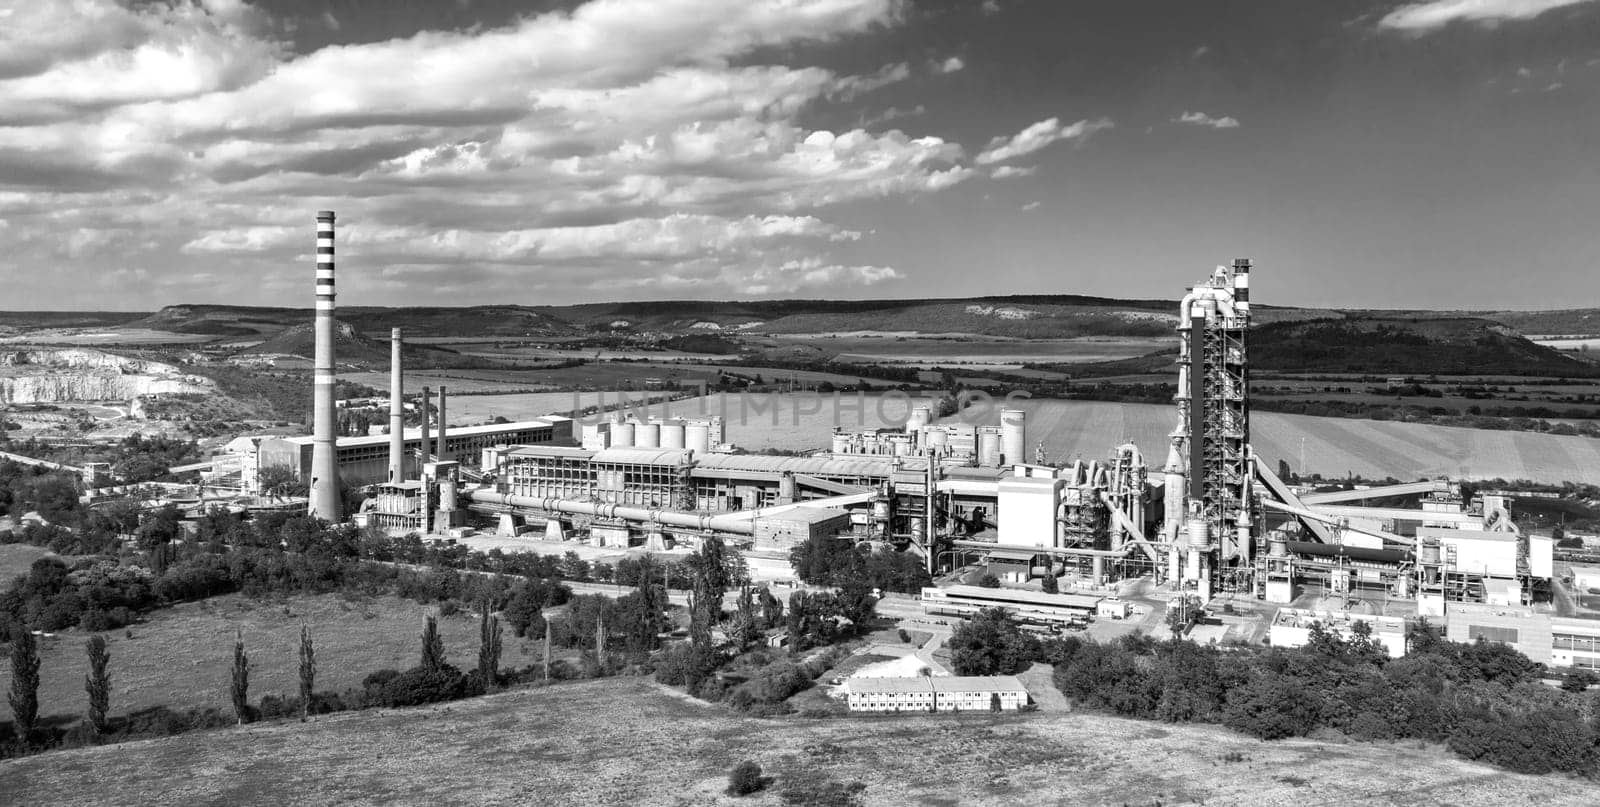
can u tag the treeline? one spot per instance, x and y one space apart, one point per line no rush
1484 701
434 679
843 564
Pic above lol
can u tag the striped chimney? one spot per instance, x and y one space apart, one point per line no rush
1241 285
397 411
324 469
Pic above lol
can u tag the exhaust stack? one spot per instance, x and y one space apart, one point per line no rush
425 448
397 411
324 499
438 445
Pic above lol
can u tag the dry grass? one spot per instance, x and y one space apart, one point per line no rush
1089 429
628 742
183 656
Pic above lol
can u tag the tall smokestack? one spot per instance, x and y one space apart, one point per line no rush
397 412
324 470
426 448
438 446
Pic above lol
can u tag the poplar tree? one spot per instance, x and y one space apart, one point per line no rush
241 679
432 646
24 695
489 635
308 671
98 683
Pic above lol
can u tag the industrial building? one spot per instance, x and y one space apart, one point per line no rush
1213 520
1291 627
926 693
1027 607
366 460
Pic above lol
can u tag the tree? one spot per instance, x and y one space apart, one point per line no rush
989 581
24 695
241 680
1049 584
991 643
745 778
994 702
98 683
489 636
432 646
1181 613
308 671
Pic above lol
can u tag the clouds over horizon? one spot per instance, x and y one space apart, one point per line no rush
627 143
1423 17
1202 119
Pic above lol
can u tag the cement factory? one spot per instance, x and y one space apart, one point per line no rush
1213 521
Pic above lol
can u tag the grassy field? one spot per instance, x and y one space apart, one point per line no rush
1089 429
16 558
631 742
182 656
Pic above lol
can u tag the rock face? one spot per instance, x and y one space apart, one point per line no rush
52 376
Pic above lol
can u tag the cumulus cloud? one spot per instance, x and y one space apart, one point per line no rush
1420 18
1036 137
1013 171
950 65
1202 119
623 143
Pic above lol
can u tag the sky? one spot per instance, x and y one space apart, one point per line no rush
1427 154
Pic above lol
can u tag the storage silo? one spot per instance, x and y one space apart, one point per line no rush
622 435
672 435
1013 436
697 437
647 435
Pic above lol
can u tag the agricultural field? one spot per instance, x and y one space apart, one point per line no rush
629 741
997 354
1333 447
182 655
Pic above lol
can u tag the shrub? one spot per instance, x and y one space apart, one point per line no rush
449 608
904 637
745 778
420 685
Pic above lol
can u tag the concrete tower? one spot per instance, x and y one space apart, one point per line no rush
438 443
397 411
324 470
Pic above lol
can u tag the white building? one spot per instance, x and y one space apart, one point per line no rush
1291 627
935 694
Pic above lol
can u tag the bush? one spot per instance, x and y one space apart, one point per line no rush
904 637
745 778
420 685
449 608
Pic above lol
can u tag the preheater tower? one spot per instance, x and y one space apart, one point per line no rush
1210 457
324 470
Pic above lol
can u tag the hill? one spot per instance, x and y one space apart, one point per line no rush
628 741
352 348
1442 346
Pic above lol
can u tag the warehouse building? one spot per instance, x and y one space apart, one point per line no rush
365 460
1028 607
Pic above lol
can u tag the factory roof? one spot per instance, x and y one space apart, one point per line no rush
1304 617
550 451
1023 596
806 515
814 466
453 431
644 456
1011 555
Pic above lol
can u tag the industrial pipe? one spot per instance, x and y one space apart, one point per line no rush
1312 514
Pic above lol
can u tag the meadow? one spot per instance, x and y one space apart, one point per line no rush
1088 430
630 741
181 656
